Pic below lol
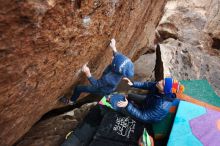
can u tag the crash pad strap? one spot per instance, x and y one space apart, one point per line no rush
197 102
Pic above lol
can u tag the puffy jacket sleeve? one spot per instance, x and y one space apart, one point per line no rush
96 83
134 111
115 53
144 85
107 70
146 116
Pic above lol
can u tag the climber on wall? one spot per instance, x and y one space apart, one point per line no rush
155 105
120 67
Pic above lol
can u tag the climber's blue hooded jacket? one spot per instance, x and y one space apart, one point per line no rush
156 105
120 67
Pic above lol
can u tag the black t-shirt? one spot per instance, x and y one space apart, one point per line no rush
117 130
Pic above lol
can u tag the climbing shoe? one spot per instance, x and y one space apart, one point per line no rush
66 101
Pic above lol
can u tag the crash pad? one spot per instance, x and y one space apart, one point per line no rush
201 91
195 125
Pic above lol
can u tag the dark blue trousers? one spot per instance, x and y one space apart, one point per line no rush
86 89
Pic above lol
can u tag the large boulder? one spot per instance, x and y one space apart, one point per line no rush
184 63
190 41
212 26
144 67
43 45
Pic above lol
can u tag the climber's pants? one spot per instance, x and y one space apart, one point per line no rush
85 89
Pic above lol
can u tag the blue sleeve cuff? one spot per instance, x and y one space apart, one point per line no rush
128 107
90 78
134 84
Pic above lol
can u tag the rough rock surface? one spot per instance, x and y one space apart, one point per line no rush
52 132
213 17
44 43
189 35
184 63
144 67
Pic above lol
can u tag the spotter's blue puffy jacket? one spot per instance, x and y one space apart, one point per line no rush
155 106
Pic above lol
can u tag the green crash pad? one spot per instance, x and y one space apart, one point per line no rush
162 129
201 90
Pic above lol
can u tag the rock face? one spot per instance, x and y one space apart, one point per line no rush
189 35
44 43
212 26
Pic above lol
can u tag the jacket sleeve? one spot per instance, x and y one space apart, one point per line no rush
107 70
96 83
145 116
115 53
144 85
137 98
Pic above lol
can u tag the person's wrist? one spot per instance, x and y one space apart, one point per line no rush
126 105
114 49
88 75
